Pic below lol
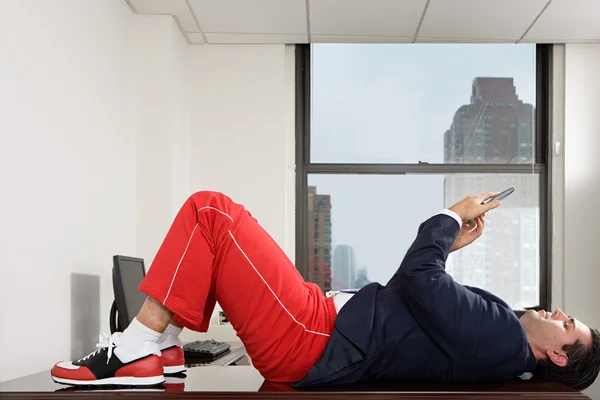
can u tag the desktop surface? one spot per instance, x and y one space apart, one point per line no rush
201 378
233 382
232 377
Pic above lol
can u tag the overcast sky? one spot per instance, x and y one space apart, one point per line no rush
393 103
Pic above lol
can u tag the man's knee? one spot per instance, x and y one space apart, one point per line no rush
205 196
211 198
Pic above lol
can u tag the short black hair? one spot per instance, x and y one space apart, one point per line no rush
582 368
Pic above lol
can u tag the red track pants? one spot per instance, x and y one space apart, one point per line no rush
216 251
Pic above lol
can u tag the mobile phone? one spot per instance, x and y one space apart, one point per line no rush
499 196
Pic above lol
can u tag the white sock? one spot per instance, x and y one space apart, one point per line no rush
170 338
134 336
171 330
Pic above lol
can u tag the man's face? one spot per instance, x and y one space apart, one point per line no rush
547 333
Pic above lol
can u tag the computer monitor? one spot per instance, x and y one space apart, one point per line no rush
128 273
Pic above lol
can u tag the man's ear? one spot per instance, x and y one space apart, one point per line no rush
558 357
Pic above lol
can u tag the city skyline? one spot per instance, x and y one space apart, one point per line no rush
499 128
344 267
378 215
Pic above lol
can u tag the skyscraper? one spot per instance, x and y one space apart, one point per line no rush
344 267
319 238
497 127
361 278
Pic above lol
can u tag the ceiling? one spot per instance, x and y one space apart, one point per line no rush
380 21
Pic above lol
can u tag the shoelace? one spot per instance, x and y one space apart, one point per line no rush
104 341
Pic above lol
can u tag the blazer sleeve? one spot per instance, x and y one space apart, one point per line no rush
462 322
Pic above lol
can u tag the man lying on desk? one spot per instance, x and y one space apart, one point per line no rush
422 325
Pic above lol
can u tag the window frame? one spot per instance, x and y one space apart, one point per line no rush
542 164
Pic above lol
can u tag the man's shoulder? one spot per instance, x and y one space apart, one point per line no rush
487 296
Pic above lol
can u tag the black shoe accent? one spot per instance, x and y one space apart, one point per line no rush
98 366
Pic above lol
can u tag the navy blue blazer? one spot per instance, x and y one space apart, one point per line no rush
424 326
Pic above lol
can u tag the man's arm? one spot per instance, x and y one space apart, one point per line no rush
456 318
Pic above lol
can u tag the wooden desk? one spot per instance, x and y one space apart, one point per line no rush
242 382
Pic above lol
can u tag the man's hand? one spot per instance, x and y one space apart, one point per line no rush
468 233
471 207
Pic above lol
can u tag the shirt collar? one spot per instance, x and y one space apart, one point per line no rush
531 360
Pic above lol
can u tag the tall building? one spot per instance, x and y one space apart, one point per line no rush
361 278
344 267
497 127
319 238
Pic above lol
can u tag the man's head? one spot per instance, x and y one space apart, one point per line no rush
566 349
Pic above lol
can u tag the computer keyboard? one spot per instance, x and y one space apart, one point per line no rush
205 348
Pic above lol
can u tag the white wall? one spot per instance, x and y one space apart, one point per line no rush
162 129
242 135
242 124
582 188
94 160
66 167
108 122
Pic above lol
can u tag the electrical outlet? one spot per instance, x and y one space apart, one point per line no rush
223 319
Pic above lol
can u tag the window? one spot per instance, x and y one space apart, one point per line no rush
388 135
